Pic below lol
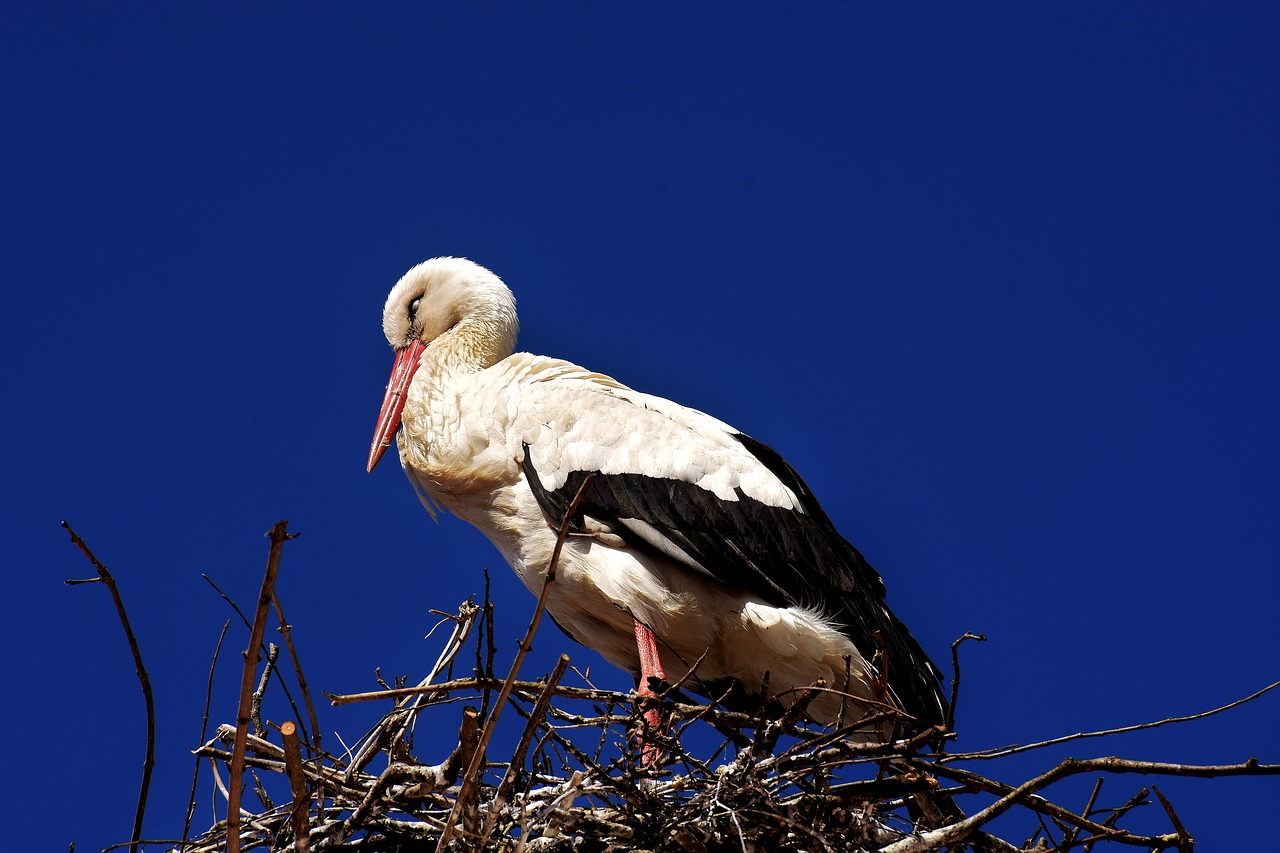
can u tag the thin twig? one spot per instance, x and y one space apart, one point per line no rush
1185 842
287 631
1011 750
473 771
956 832
284 685
149 761
1138 799
1070 837
955 677
522 746
204 727
397 722
255 703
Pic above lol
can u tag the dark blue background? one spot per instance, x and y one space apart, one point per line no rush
1001 281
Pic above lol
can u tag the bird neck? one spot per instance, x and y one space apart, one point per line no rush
472 345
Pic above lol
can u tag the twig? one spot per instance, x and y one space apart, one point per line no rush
278 538
950 722
956 832
1011 750
1138 799
403 714
229 600
255 703
469 745
473 771
286 630
491 649
585 693
522 746
284 685
1070 837
204 727
1103 830
1185 842
149 761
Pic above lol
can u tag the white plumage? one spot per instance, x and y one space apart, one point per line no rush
689 529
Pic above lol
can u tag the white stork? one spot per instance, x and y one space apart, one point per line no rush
693 542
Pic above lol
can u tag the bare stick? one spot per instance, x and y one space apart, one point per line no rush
229 600
955 678
297 714
468 745
397 723
298 784
997 753
204 727
1069 838
1033 802
1138 799
149 761
255 703
491 647
936 838
278 537
522 746
285 630
473 771
1185 842
590 694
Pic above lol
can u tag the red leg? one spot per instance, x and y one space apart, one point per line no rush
650 667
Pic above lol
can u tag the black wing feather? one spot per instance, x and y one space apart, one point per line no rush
787 557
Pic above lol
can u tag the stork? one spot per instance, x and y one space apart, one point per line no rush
697 553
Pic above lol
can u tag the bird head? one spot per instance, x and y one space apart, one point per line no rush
452 305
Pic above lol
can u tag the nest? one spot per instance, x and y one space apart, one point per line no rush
582 770
583 774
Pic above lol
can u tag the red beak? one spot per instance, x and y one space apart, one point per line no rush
407 358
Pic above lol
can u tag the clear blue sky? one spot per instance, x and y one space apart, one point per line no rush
1001 281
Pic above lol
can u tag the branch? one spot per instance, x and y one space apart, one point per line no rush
957 832
204 726
473 771
286 630
522 746
278 538
997 753
149 761
298 786
950 722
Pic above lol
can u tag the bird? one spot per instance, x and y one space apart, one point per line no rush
695 554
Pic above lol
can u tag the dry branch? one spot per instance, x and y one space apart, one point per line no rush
278 537
148 763
1013 750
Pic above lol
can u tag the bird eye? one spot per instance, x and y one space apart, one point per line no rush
413 308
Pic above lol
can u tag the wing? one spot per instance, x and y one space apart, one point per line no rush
723 504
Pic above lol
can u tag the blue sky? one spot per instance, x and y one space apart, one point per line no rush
1000 281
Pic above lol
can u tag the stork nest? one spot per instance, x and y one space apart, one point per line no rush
575 778
583 773
586 774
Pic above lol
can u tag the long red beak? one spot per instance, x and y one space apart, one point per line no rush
406 365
